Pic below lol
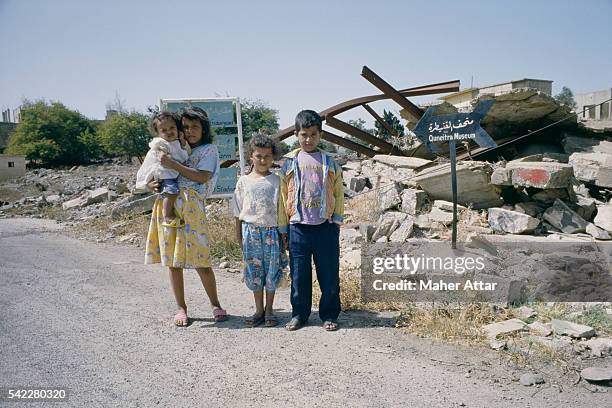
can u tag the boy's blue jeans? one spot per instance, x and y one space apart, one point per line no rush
321 242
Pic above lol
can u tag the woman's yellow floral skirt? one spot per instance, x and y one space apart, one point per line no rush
183 247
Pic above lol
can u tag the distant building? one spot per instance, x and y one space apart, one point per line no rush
594 105
6 128
12 166
461 100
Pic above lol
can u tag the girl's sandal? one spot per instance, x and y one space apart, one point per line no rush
219 314
330 325
181 319
254 321
271 320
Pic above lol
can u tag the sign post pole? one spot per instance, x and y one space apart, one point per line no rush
449 128
453 158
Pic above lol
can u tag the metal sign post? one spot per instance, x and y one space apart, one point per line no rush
450 128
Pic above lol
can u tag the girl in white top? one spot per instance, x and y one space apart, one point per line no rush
257 208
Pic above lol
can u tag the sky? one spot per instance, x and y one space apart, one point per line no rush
291 55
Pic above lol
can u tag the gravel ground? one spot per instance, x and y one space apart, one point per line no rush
93 319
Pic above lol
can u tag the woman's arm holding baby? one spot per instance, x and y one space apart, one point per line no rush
200 176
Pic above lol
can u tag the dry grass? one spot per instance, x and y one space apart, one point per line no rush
595 315
223 242
453 324
350 295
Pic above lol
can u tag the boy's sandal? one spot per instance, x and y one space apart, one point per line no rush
219 314
330 325
180 318
271 320
294 324
254 321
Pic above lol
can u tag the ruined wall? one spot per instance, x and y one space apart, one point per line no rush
12 166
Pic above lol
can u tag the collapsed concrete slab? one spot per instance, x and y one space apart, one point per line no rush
594 168
603 219
414 201
473 184
400 161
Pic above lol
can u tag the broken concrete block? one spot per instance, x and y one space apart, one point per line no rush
352 165
585 207
548 196
595 168
506 327
540 174
357 184
350 237
562 217
530 208
400 161
414 201
350 260
597 374
541 329
531 379
525 312
597 232
402 233
603 219
367 230
512 222
388 197
447 205
575 330
347 175
473 184
387 224
442 217
501 177
422 221
600 347
138 206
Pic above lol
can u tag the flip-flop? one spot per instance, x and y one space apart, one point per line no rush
330 325
254 321
271 320
180 318
294 324
219 314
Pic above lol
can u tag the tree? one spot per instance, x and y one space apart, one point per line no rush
392 121
566 97
125 134
50 134
282 148
258 116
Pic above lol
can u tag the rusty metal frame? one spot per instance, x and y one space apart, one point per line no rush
349 144
385 147
380 120
391 92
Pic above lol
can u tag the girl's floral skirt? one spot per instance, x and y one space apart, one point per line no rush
183 247
264 257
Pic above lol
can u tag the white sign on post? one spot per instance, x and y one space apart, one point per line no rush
225 118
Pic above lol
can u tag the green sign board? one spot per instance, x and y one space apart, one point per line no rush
221 113
226 183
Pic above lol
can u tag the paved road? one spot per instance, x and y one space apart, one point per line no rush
92 318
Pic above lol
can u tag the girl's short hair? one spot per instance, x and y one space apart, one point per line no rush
195 113
261 140
159 116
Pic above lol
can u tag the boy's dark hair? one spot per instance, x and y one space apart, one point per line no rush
195 113
263 141
308 118
159 116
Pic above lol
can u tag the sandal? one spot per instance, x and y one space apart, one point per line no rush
219 314
180 318
271 320
330 325
254 321
294 324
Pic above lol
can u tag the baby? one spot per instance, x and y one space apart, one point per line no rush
167 128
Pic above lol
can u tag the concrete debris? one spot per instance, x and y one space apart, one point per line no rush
575 330
564 218
597 374
594 168
531 379
540 329
414 201
512 222
494 330
603 219
473 184
400 161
